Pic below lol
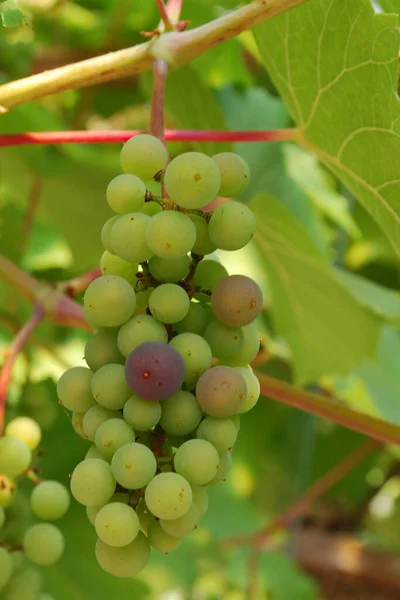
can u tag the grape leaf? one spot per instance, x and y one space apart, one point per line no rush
328 331
390 5
336 66
11 15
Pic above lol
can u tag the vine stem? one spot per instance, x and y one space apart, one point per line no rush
74 286
164 15
160 72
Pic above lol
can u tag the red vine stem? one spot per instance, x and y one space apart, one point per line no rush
72 287
163 14
171 135
160 72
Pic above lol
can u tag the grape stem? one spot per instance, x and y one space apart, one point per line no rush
160 72
72 287
164 15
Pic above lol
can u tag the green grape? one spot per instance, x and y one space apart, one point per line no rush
94 417
180 414
142 414
151 208
168 496
232 226
92 482
7 490
235 173
143 301
207 275
184 525
192 180
126 561
144 156
224 341
2 516
23 585
145 516
195 321
225 464
111 435
92 511
169 270
236 421
200 498
170 234
109 386
203 244
197 461
50 500
140 329
73 389
43 544
93 453
77 424
236 300
250 348
109 301
6 567
221 391
102 349
221 433
111 264
117 524
161 540
106 233
133 466
25 429
169 303
195 352
15 456
253 388
128 237
126 193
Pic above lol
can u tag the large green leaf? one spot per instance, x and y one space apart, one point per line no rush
328 331
336 66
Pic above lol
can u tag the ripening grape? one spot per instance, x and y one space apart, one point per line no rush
224 341
197 461
154 370
92 482
25 429
151 208
221 433
192 180
170 234
169 303
126 193
195 321
77 424
117 524
2 517
207 275
43 544
250 348
142 414
181 413
111 435
169 270
109 301
221 391
50 500
7 490
128 237
140 329
111 264
203 244
93 453
25 584
195 352
145 516
168 496
235 174
15 456
109 387
236 300
94 417
133 466
73 389
225 464
106 233
126 561
236 421
161 540
144 156
253 388
102 348
184 525
232 226
6 567
93 511
200 498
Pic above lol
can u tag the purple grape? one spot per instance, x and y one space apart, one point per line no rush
154 370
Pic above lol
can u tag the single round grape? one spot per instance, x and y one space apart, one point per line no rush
77 424
169 303
109 301
181 414
93 453
221 433
168 496
225 464
207 275
192 179
236 421
126 561
7 490
15 456
94 417
232 226
250 348
195 321
24 584
111 264
102 349
195 352
50 500
43 544
200 498
74 389
253 388
128 237
140 329
92 482
169 270
151 208
197 461
93 511
203 244
106 233
109 386
236 300
133 466
235 173
154 370
145 516
161 540
142 414
111 435
126 193
184 525
6 567
221 391
117 524
2 516
170 234
25 429
224 341
144 156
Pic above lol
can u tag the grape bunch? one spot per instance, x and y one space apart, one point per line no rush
42 543
168 372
